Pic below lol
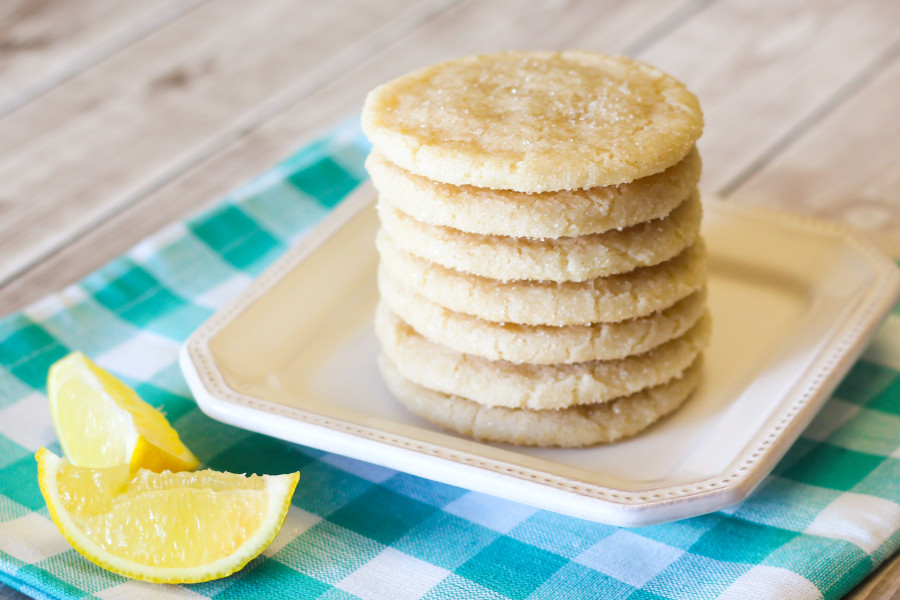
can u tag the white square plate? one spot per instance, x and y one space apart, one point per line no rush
793 302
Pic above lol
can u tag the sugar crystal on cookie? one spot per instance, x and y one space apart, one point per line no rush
542 273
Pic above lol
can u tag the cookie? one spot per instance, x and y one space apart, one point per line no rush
548 215
572 427
562 259
534 121
614 298
501 383
540 344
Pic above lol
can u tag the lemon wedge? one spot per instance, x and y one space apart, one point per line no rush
101 422
183 527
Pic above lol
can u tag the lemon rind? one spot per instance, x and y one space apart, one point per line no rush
279 490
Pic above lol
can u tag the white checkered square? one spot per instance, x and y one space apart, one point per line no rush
771 583
31 538
494 513
28 423
865 521
146 591
296 523
629 557
51 305
148 249
141 356
311 212
217 297
393 575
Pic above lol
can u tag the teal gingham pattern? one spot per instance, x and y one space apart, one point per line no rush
827 516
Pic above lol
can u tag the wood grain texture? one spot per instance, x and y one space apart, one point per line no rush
883 584
121 117
45 42
465 28
111 135
845 167
760 72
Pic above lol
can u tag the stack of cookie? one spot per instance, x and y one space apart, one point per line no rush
542 275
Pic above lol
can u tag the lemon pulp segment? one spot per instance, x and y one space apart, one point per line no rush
101 422
164 527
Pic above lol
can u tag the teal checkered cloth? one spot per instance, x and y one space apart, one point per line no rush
827 516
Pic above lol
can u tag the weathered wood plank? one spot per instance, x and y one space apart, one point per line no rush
107 137
470 27
760 71
771 77
883 584
844 168
45 42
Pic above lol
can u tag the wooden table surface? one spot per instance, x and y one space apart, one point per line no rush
117 118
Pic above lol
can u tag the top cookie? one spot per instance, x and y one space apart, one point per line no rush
534 121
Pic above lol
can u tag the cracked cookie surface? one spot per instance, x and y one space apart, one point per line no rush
614 298
501 383
544 259
534 121
540 344
573 427
550 215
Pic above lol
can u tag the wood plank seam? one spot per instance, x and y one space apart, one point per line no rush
316 125
98 56
666 26
844 93
243 126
